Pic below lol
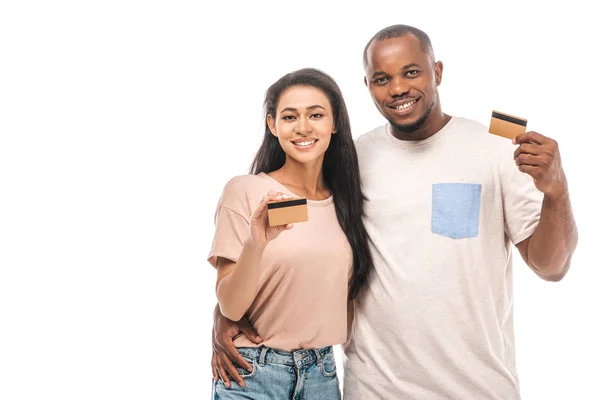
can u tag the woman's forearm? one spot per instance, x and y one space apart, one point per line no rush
237 290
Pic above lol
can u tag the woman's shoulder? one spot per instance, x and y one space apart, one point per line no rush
250 183
244 190
241 183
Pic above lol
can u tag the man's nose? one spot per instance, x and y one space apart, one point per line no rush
398 86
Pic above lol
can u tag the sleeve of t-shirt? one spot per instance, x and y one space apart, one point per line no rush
231 225
521 199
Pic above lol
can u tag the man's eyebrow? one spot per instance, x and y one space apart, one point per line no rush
404 68
411 65
377 73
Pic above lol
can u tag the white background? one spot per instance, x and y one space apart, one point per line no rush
121 121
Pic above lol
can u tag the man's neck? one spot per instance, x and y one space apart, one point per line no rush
432 125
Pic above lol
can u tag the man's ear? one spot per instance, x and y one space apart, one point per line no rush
439 68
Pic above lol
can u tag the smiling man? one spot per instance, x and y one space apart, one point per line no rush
446 202
405 60
446 199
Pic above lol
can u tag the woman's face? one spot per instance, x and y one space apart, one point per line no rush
303 123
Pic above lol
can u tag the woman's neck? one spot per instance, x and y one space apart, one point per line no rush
302 179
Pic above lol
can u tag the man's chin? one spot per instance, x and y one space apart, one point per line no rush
413 125
406 126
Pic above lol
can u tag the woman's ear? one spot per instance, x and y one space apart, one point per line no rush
271 124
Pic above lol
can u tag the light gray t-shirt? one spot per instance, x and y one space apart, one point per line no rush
436 321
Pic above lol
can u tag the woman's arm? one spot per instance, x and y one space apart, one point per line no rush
237 282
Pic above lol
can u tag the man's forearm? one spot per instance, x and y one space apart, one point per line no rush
552 244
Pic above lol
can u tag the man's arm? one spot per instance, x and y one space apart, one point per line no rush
549 249
224 352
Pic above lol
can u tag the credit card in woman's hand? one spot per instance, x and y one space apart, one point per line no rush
287 211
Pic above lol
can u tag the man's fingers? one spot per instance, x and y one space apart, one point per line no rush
222 373
213 364
249 331
531 137
531 170
527 159
527 148
231 370
232 353
241 361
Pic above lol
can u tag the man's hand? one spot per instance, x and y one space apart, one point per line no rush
549 249
538 156
224 352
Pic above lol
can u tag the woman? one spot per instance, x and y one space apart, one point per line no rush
293 283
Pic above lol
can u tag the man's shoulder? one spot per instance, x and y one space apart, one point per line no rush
470 127
371 136
478 136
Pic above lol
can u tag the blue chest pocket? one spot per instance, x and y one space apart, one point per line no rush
455 210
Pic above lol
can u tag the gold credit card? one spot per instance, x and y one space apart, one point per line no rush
287 212
506 125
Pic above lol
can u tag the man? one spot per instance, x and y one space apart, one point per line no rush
445 201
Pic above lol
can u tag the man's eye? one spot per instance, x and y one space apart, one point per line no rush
380 81
413 72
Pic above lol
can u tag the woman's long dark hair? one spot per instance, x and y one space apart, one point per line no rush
340 166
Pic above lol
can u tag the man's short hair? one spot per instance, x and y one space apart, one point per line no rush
395 31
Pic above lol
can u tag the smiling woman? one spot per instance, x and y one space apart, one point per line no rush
303 124
294 284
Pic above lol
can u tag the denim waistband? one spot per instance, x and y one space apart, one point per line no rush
298 358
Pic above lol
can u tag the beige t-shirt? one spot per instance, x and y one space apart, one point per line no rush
302 301
436 319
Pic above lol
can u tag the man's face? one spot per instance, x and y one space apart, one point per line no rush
403 80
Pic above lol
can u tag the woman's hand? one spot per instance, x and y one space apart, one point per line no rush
260 231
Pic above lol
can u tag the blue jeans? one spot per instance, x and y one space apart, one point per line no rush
278 375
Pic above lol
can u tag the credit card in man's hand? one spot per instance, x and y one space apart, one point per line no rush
506 125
